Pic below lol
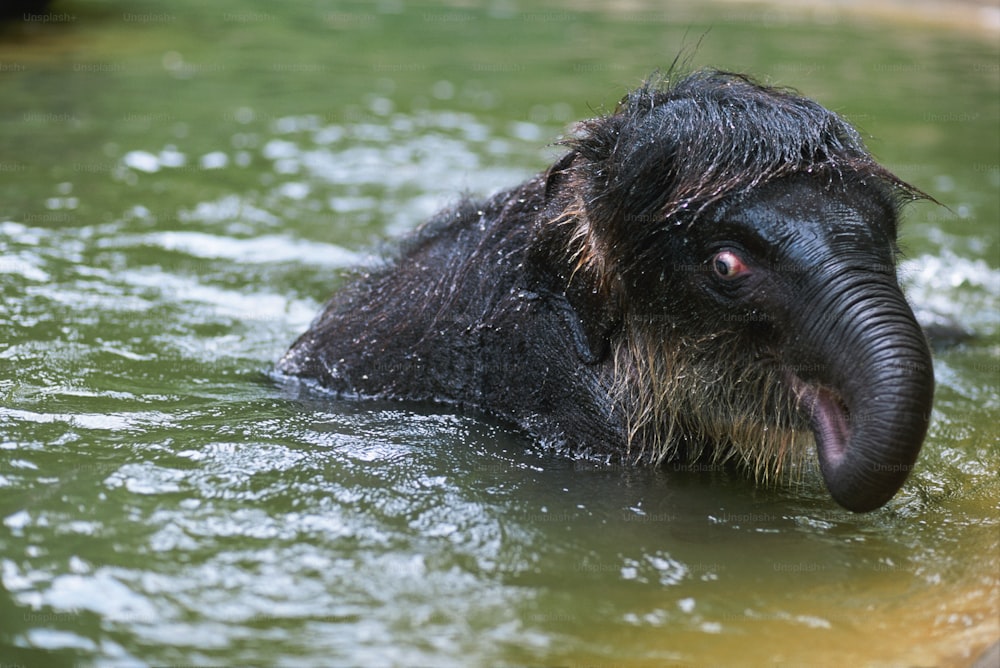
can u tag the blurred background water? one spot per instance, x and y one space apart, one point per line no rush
181 185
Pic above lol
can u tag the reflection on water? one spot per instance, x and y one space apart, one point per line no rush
164 500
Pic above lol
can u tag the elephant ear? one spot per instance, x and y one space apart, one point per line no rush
572 290
588 315
590 322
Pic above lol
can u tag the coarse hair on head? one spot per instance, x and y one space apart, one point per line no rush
682 142
679 143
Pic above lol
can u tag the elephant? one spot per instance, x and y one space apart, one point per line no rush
708 273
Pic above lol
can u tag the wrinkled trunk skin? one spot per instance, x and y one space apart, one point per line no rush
862 370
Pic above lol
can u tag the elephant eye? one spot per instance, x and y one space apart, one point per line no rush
728 265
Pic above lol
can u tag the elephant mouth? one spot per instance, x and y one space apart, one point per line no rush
830 420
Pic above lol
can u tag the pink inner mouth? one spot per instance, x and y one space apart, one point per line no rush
830 419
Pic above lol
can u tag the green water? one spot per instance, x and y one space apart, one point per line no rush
181 184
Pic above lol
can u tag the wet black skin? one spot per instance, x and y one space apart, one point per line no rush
474 313
744 223
471 313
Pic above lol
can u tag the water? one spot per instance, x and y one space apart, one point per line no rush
180 189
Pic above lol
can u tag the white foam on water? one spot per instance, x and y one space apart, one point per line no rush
962 289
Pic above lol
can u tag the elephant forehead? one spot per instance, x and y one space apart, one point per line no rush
791 214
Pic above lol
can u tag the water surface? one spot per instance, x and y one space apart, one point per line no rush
181 187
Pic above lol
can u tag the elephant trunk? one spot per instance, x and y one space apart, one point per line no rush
863 375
